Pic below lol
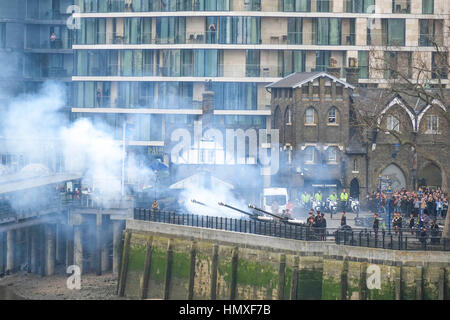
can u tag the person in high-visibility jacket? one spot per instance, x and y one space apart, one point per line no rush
318 196
333 196
344 199
305 198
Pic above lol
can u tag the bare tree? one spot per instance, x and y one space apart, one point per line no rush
417 79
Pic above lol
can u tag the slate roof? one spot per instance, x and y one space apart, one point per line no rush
297 79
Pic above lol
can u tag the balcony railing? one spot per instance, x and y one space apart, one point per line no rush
58 43
49 72
212 37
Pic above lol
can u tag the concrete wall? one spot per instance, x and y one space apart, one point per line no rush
181 262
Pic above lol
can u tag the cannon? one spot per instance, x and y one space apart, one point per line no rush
281 218
251 215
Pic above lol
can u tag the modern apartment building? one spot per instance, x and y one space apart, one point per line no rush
151 59
35 46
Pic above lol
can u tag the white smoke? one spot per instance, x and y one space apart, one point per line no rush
34 125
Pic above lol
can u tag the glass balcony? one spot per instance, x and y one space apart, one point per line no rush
48 72
46 37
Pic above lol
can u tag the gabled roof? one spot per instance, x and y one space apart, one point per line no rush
298 79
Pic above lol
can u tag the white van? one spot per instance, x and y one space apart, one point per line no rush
272 195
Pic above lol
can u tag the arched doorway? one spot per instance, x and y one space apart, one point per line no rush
430 176
395 174
354 188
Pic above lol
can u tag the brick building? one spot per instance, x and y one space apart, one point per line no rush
326 146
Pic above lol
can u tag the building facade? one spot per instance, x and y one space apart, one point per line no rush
35 46
149 62
328 147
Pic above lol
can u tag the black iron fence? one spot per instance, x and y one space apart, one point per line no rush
404 239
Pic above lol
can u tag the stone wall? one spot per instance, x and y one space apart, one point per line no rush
163 261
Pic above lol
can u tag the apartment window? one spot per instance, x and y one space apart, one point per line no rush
360 6
175 94
332 154
309 154
394 30
322 60
252 63
138 30
252 5
239 30
427 6
210 5
171 29
290 61
327 31
206 63
309 116
235 95
392 123
332 115
323 5
363 64
296 5
439 63
2 35
401 6
426 28
432 123
294 31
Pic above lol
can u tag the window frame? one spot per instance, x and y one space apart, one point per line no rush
336 112
332 150
307 151
389 119
313 123
429 120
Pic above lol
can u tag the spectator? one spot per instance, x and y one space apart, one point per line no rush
343 219
52 40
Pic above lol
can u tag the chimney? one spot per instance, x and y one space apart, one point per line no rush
333 69
352 72
208 98
208 104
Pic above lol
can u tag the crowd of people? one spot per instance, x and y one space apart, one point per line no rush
432 202
423 207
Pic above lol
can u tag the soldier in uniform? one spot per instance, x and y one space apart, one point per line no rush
343 219
434 232
323 227
310 223
375 224
411 223
395 222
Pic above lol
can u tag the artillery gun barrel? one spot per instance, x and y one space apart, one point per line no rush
266 212
236 209
200 203
282 219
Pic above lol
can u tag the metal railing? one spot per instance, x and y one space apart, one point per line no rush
402 239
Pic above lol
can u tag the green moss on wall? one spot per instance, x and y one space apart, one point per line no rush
309 285
287 283
257 274
331 289
136 258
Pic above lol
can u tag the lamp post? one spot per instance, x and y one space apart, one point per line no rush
389 197
379 195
